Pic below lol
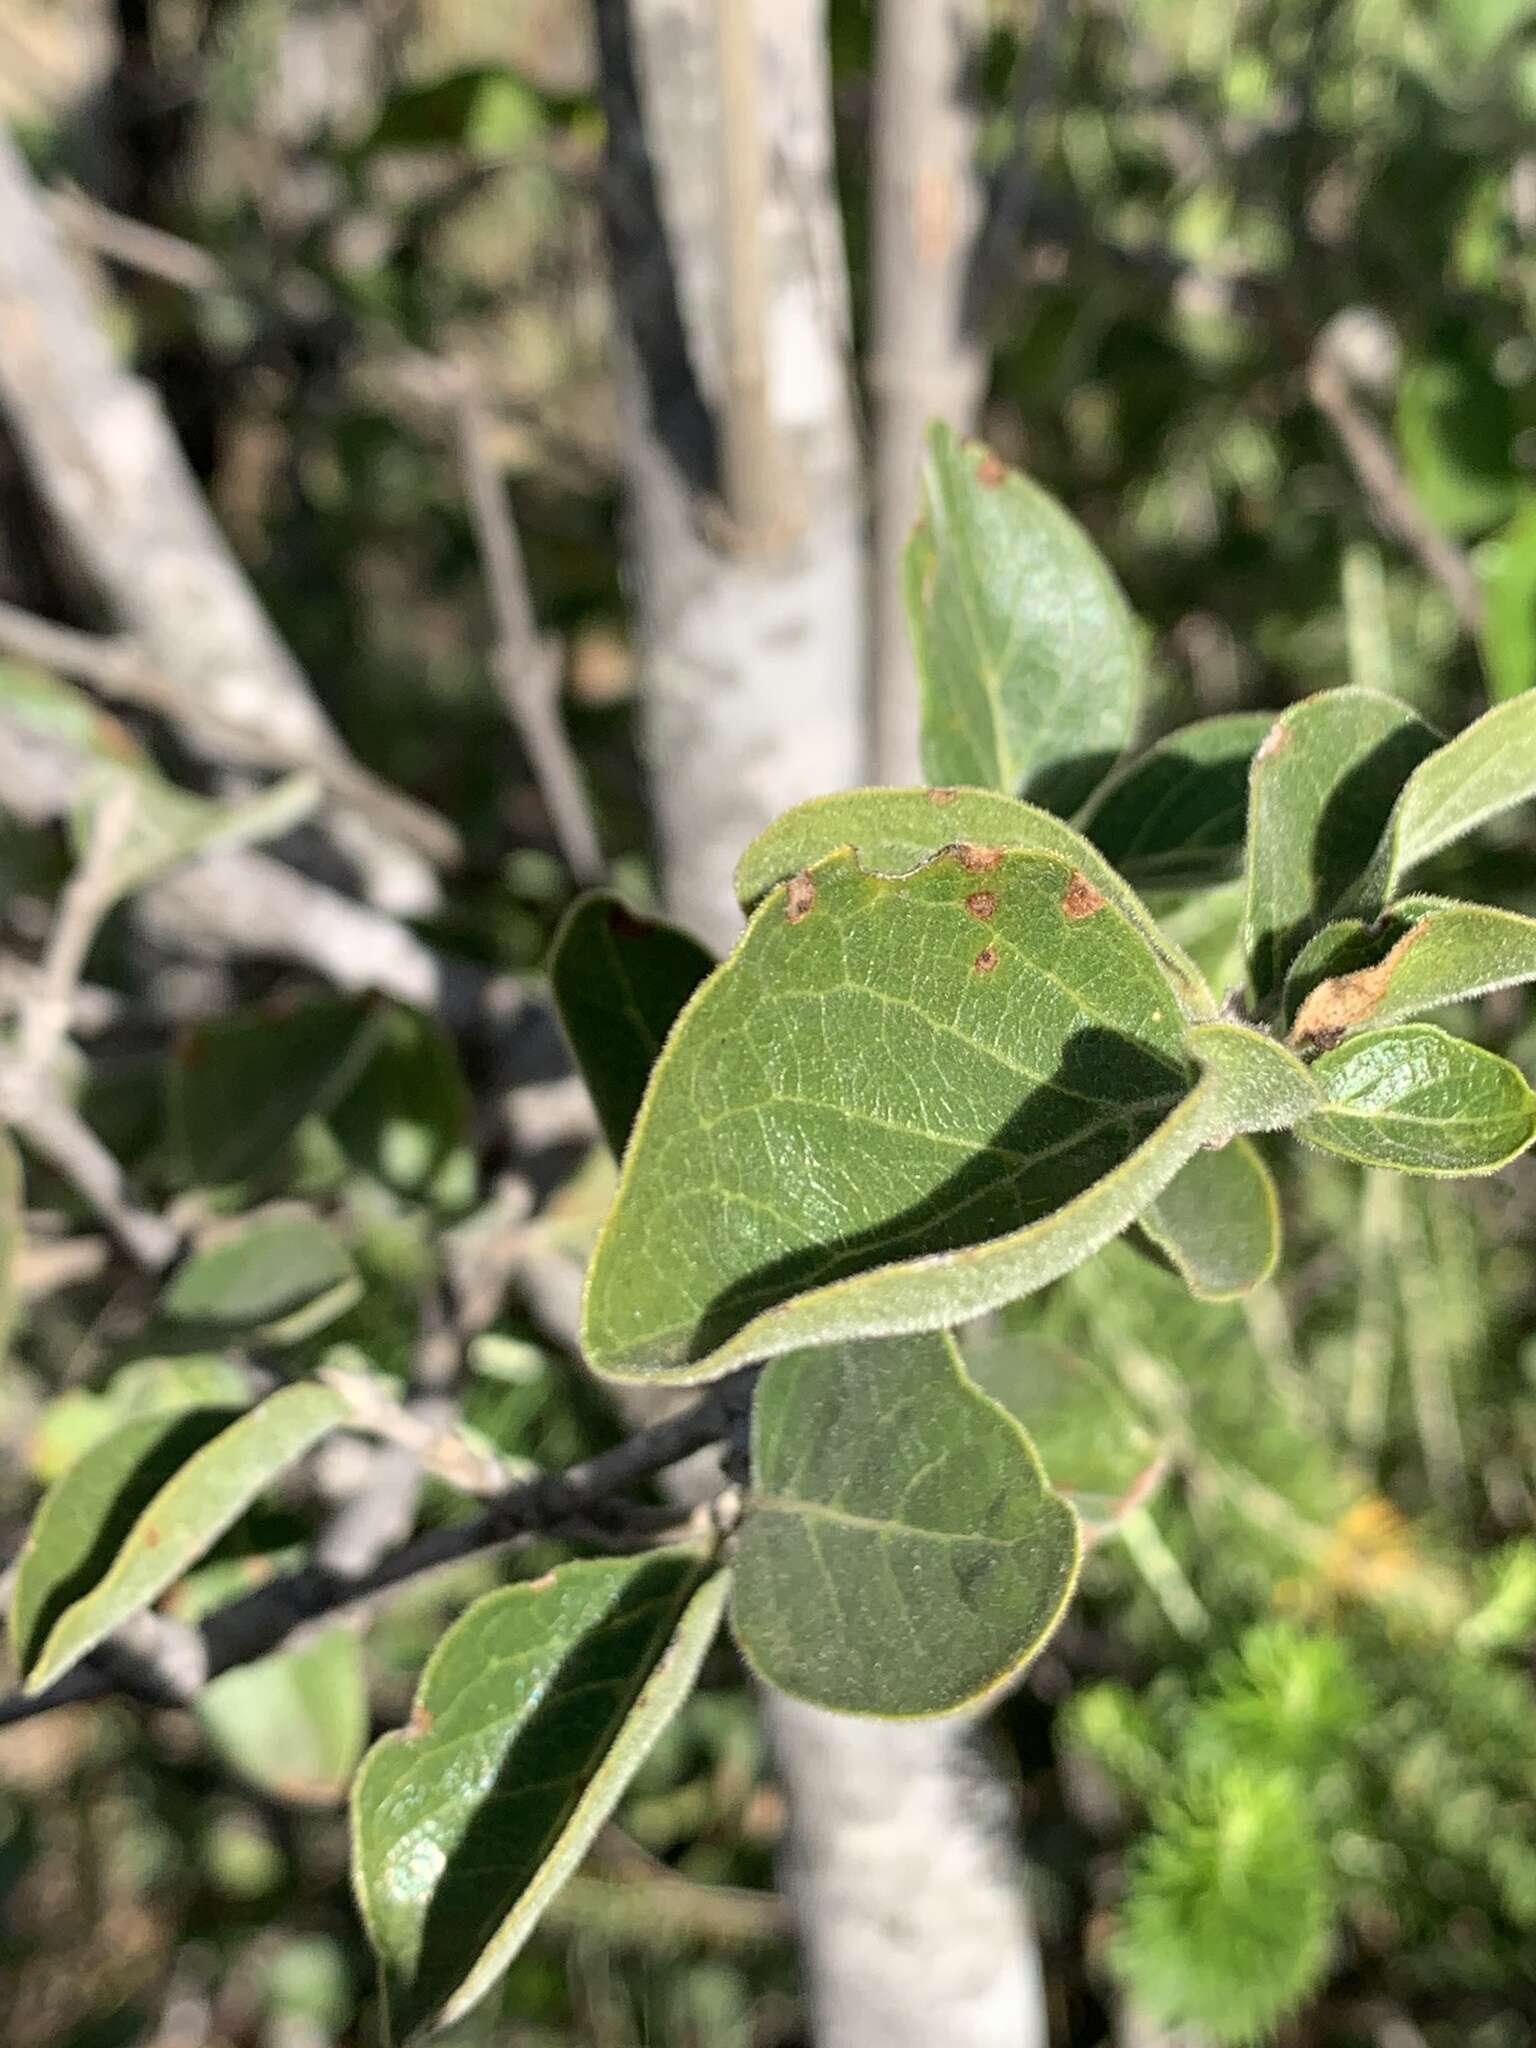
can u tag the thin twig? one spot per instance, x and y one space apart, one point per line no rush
527 668
135 244
52 1129
84 902
260 1623
1388 489
116 667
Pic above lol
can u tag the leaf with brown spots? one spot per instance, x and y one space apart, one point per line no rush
896 830
864 1124
1450 953
982 903
1082 899
1029 661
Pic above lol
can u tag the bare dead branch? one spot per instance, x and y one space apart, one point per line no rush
264 1620
526 667
30 1105
924 364
135 244
114 665
107 463
1388 490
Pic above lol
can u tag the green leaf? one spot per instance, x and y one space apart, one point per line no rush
214 1481
408 1118
1426 953
12 1236
1218 1222
486 111
1177 816
894 831
1321 790
901 1553
87 1513
168 825
1455 426
619 981
1028 658
1095 1449
900 1103
1485 770
294 1724
1506 568
278 1069
277 1280
534 1712
1414 1098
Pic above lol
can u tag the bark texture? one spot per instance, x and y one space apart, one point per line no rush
924 364
900 1867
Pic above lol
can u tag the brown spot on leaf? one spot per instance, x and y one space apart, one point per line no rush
151 1538
1350 1000
986 959
801 900
421 1722
982 903
989 471
1275 741
1082 899
942 796
979 860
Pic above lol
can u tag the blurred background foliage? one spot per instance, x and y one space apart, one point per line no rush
1290 1722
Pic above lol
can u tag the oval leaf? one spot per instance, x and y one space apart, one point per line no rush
1218 1222
1028 658
619 981
534 1712
900 1103
901 1553
295 1724
408 1117
278 1279
204 1496
894 831
1320 792
279 1069
1416 1099
1427 953
1177 816
1095 1449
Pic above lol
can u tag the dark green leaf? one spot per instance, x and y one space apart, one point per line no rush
619 981
295 1724
796 1175
535 1711
1321 790
1485 770
1218 1222
1414 1098
1507 570
1455 427
213 1482
1028 657
279 1280
901 1553
240 1086
1177 817
408 1118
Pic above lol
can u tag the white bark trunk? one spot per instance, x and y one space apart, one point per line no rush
900 1863
925 207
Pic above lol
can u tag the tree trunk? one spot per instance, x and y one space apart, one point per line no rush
750 605
924 365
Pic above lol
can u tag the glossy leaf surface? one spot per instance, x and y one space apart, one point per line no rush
534 1712
1414 1098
